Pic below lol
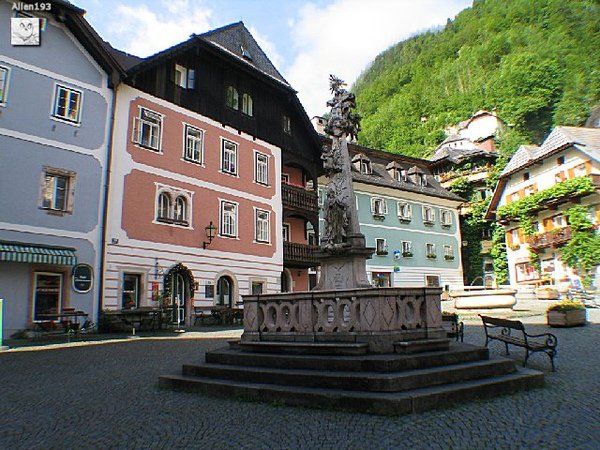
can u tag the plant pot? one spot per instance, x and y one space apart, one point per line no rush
570 318
546 294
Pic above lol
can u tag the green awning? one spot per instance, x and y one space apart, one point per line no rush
25 253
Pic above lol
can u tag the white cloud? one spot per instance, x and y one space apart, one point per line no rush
142 32
268 47
345 36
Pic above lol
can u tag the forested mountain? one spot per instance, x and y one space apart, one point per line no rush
536 62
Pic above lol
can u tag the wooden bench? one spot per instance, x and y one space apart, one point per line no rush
501 330
456 329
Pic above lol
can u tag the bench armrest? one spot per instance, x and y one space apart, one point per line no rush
551 339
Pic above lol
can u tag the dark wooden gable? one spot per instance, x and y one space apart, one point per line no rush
215 70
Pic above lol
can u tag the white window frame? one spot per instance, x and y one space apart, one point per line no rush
235 98
4 83
378 211
428 284
448 252
285 178
580 170
262 226
138 291
247 105
228 223
401 215
160 207
79 105
187 77
407 248
193 144
231 160
183 220
384 247
173 193
430 250
428 218
446 217
286 232
69 189
154 140
261 174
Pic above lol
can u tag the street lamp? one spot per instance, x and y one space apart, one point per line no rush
211 232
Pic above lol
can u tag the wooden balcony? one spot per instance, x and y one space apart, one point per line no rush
554 238
299 199
299 255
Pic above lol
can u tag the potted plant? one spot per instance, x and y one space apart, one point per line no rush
566 313
546 293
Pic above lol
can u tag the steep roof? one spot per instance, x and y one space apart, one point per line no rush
234 40
380 175
239 42
585 139
126 60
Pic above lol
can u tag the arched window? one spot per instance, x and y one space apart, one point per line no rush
164 206
180 212
247 107
232 99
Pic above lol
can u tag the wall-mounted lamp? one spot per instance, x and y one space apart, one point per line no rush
211 232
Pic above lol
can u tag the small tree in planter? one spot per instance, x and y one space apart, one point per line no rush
566 313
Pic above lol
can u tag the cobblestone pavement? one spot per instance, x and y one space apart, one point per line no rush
106 397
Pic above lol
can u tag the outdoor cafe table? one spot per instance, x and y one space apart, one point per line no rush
69 319
138 318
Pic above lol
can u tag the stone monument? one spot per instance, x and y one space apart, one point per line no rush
344 306
343 251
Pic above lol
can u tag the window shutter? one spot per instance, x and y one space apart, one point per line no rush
135 134
548 224
588 167
509 241
571 172
191 81
521 236
521 193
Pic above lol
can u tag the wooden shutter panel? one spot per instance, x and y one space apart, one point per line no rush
571 172
509 241
548 224
588 167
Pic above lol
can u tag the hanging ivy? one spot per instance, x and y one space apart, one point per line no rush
525 207
498 253
582 252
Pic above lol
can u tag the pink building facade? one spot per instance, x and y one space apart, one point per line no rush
174 173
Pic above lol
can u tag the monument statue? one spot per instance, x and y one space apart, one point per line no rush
343 252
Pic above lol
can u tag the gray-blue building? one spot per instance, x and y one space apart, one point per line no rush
408 218
55 114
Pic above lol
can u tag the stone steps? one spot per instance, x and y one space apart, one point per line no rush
305 348
457 353
355 381
416 400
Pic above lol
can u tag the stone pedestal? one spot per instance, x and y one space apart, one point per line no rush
347 271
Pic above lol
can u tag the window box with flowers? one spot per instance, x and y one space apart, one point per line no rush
449 257
407 254
431 255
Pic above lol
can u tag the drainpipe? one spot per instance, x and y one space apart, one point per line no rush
109 156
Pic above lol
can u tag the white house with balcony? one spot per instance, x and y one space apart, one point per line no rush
569 157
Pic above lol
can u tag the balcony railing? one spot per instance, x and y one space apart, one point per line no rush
554 238
299 255
299 199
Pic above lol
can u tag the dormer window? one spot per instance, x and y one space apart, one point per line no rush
184 77
362 164
396 171
245 53
417 176
422 179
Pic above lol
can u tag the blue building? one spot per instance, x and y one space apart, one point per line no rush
408 218
55 112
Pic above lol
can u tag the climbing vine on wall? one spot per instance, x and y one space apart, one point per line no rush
582 252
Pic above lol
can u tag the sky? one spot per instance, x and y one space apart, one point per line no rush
306 40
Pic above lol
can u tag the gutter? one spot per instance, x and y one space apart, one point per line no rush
109 158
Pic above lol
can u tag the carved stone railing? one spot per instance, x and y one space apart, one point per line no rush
552 238
378 316
299 255
298 198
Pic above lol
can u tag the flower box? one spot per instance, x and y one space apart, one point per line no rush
571 318
546 293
